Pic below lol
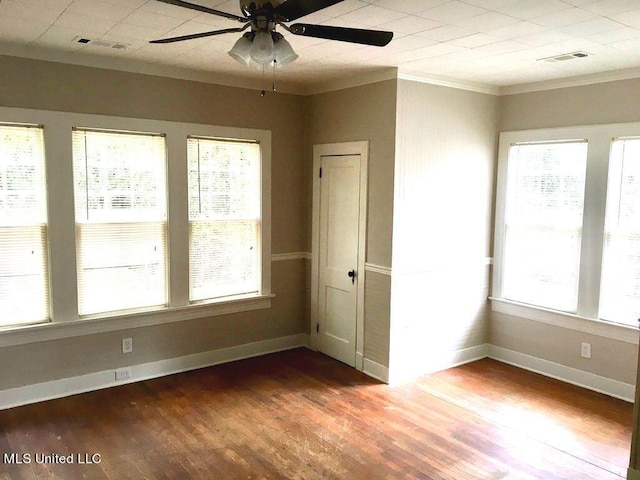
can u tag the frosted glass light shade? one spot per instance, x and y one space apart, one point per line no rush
284 52
241 50
263 49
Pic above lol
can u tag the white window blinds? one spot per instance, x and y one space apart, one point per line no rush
620 286
543 223
121 214
224 218
24 295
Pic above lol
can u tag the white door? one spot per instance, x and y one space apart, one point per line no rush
338 274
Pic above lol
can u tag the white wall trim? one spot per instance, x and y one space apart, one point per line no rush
370 267
281 257
144 68
633 474
350 81
604 329
359 361
450 82
444 362
94 381
571 375
220 78
90 326
579 81
376 370
444 263
468 355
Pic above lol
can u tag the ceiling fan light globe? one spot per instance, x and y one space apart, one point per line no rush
240 51
284 53
263 49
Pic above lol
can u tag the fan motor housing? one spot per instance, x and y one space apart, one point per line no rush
250 7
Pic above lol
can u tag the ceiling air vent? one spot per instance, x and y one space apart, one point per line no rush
564 57
101 43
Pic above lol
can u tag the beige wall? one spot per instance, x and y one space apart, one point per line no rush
366 113
51 86
612 102
613 359
600 103
444 170
54 86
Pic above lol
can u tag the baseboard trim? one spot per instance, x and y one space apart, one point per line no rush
633 474
468 355
39 392
591 381
359 361
450 360
376 370
28 394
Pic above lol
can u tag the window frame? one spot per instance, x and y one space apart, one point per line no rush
64 319
195 221
586 318
509 216
42 225
85 223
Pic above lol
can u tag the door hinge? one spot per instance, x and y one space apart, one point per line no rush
318 327
320 173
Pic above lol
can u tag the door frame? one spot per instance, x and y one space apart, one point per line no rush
340 149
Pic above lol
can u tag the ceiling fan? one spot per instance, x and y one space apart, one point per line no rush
262 43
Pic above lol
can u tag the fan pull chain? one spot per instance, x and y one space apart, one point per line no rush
263 92
273 76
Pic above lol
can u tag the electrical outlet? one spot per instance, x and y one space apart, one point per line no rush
127 345
586 350
123 374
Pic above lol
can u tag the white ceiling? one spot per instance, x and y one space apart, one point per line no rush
491 43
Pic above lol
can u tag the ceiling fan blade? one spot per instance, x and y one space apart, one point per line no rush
197 35
376 38
200 8
294 9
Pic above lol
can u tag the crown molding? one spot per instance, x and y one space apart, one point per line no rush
141 67
301 88
449 82
578 81
350 81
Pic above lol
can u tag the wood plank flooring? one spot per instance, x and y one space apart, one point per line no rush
301 415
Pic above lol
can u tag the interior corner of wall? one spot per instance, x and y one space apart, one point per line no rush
633 474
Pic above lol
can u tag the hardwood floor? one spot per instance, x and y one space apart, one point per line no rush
301 415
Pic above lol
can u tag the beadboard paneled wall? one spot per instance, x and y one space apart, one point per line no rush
444 171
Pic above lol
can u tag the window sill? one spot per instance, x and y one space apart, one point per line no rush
623 333
41 332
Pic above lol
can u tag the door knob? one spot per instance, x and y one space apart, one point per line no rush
352 276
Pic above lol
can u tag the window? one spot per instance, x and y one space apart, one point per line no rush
620 294
224 218
543 223
24 295
121 220
118 225
567 234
